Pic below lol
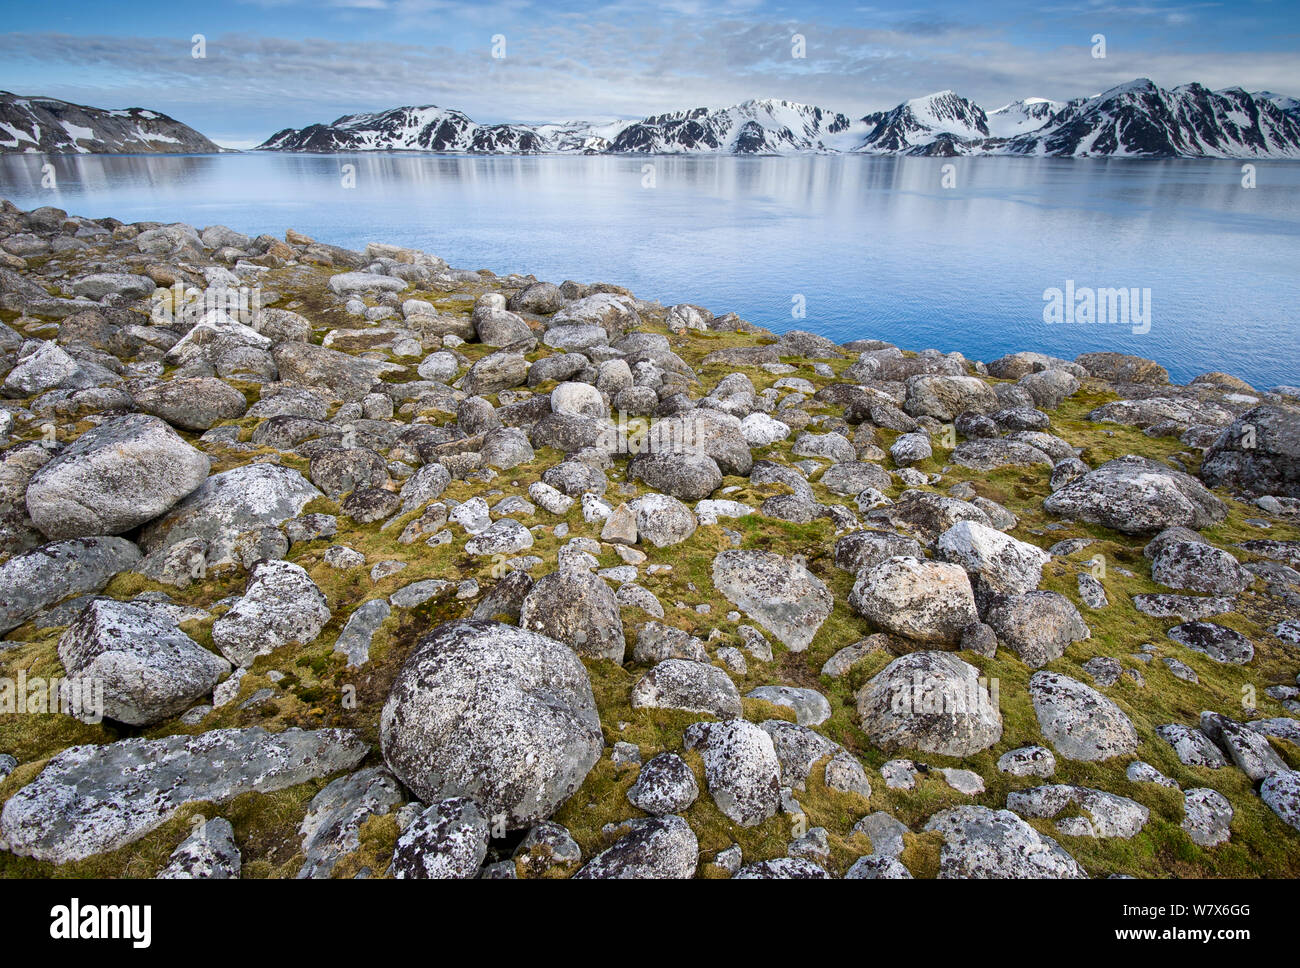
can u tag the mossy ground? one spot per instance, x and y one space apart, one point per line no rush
316 688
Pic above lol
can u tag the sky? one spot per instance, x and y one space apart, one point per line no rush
272 64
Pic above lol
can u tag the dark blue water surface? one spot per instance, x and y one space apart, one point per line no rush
875 246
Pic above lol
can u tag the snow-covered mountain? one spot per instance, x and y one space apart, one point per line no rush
942 123
46 124
428 128
1027 114
1137 119
753 127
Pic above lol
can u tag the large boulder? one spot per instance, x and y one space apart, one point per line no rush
1198 567
1122 368
926 601
689 477
37 579
1037 626
92 799
193 404
1137 495
149 668
981 843
780 593
245 498
740 767
280 604
1078 721
493 712
661 519
693 687
113 478
1003 565
577 608
1258 454
347 377
930 701
944 397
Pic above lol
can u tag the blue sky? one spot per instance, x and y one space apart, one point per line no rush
272 64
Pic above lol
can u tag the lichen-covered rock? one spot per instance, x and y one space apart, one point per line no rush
227 504
208 854
661 519
1258 454
1078 721
1246 747
39 578
782 869
689 686
1281 794
740 767
1037 626
280 604
93 799
664 785
1219 642
193 404
1107 814
930 701
1137 495
149 669
577 608
653 848
779 593
1207 816
927 601
1199 567
332 827
113 478
493 712
688 477
984 843
1002 564
449 840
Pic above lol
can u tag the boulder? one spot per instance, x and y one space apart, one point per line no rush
448 840
280 604
1136 496
149 668
1258 454
242 499
981 843
1078 721
926 601
113 478
779 593
494 712
688 686
930 701
193 404
653 848
96 798
577 608
998 562
37 579
740 767
1037 626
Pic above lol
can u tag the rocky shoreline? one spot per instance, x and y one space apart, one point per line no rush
324 563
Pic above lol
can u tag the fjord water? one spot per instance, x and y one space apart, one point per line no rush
871 247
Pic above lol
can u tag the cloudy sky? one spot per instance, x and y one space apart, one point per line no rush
272 64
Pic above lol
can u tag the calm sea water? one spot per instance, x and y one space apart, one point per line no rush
866 247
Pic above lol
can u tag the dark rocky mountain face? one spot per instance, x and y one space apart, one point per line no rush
919 122
43 124
1143 120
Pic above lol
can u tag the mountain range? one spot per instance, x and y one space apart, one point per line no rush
1138 119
